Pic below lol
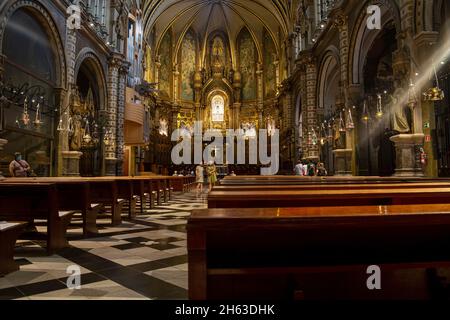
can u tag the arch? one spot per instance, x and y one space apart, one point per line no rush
362 37
329 77
441 15
89 58
40 12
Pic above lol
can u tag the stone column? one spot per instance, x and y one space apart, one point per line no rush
176 76
121 101
3 142
424 43
237 100
311 105
68 161
343 158
198 94
114 64
260 94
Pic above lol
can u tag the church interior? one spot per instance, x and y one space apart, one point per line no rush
224 149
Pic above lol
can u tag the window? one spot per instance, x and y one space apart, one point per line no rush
218 109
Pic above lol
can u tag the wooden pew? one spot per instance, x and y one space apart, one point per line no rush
25 201
331 186
297 180
318 252
9 232
341 197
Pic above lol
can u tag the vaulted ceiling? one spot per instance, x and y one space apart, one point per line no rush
207 16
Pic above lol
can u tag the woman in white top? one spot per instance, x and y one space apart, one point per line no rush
200 180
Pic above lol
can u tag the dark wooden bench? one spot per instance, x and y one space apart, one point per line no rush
9 232
296 180
319 252
25 202
331 186
341 197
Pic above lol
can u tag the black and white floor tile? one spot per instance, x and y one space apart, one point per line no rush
145 258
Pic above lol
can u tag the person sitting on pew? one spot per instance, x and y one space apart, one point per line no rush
311 169
19 168
298 169
321 171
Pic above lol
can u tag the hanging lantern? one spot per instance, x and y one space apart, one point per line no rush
330 132
323 138
106 139
341 123
37 120
60 127
350 123
70 128
25 116
434 93
365 113
314 139
87 135
379 113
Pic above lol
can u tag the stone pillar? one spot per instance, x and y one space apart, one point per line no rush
424 43
198 94
114 65
260 94
311 105
405 147
121 104
68 162
237 100
176 83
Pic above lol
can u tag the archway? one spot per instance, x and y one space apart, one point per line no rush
442 108
330 103
377 152
88 101
33 63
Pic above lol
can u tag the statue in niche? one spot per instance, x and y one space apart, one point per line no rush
77 134
400 118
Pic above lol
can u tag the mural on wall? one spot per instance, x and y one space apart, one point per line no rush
218 51
247 52
188 62
269 66
166 64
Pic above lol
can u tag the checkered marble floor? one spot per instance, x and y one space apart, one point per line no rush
145 258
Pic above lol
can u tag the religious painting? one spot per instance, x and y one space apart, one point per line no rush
166 64
269 66
247 52
218 52
188 62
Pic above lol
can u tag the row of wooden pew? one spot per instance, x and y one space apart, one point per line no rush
313 238
55 200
